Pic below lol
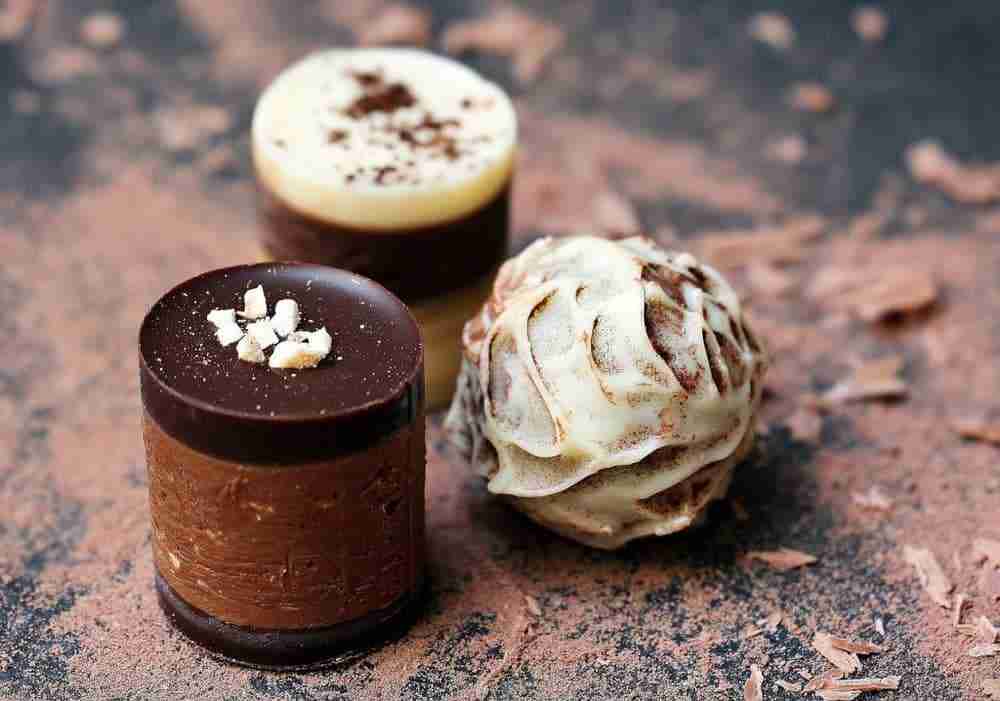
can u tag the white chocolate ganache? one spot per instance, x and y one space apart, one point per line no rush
383 139
608 387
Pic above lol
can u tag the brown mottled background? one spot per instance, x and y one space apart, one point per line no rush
125 170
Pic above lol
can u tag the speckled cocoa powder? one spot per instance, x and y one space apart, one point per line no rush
662 619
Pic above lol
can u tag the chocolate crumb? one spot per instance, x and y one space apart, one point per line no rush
932 578
811 97
782 559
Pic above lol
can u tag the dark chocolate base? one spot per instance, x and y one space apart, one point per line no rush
415 264
289 650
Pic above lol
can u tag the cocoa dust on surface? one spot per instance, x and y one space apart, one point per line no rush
513 612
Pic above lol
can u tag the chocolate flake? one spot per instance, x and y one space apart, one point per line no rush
753 689
852 688
931 165
857 647
811 97
984 650
524 38
870 23
876 379
397 23
986 632
779 244
773 29
932 578
874 499
843 660
960 603
783 559
986 549
978 430
875 293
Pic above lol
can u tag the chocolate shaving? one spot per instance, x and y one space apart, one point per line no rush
870 23
932 578
532 605
753 690
852 688
977 430
989 584
102 30
397 23
876 379
874 499
791 687
986 549
984 650
843 660
931 165
875 293
614 214
783 559
772 622
805 425
820 680
986 632
857 647
959 609
511 32
777 244
769 280
811 97
790 150
773 29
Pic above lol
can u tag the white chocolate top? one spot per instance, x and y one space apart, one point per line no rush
592 354
383 139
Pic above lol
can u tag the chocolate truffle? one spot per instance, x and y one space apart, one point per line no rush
608 388
396 164
287 505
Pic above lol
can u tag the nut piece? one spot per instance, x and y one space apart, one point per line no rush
608 388
262 333
286 317
222 317
249 350
298 354
254 303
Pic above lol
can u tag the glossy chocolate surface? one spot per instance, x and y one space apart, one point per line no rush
413 263
202 394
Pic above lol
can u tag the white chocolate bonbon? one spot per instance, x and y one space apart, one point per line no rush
608 388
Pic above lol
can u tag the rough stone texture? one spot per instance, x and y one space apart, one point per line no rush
121 176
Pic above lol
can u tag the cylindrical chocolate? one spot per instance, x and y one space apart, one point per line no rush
287 504
396 164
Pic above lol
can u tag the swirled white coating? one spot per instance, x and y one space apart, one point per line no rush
602 374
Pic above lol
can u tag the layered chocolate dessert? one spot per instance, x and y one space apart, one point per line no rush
284 429
396 164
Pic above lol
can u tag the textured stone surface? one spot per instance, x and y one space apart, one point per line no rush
125 170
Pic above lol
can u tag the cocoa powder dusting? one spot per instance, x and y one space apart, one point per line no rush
124 132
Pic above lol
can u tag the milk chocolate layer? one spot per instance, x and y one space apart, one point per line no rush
200 392
292 547
413 263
